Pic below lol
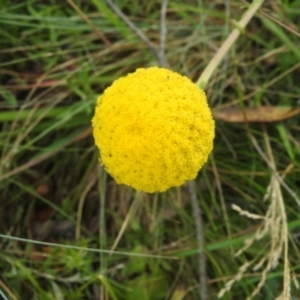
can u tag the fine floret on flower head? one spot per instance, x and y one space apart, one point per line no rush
154 129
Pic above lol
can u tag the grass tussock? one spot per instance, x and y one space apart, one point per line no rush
59 210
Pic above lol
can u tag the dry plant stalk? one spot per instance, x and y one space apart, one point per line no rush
274 225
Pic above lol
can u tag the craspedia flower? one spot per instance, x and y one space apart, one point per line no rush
154 129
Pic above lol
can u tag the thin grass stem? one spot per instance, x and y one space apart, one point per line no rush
3 296
137 31
163 34
73 247
215 61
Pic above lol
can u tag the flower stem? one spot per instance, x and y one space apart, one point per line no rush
197 214
215 61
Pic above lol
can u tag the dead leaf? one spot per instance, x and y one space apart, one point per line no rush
255 114
42 189
40 255
179 293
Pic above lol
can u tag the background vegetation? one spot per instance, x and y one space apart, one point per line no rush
55 58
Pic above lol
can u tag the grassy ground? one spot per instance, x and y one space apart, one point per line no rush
55 59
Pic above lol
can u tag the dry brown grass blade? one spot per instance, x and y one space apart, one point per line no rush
92 179
85 133
89 22
8 291
255 114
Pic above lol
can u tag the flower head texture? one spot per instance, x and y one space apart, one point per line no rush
154 129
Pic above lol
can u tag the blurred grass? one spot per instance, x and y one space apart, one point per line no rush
53 66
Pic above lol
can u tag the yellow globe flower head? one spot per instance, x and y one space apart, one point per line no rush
154 129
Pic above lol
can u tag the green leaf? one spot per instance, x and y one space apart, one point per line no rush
282 36
286 141
9 97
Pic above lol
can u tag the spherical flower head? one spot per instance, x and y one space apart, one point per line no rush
154 129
